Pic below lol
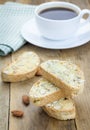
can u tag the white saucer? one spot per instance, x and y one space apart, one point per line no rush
31 34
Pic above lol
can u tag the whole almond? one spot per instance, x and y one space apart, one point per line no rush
17 113
26 100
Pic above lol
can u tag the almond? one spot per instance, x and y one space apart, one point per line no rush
17 113
25 100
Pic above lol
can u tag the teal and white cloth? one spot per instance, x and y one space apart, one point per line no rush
12 18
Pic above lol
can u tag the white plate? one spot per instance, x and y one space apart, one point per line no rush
31 34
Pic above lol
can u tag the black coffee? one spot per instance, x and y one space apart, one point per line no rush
58 13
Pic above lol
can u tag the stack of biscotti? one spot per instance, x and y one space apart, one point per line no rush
61 81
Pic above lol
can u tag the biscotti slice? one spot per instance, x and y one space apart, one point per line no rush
44 92
63 74
63 109
23 68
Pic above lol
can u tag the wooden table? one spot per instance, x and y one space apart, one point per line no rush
34 118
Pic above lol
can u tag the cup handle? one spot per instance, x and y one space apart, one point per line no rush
83 12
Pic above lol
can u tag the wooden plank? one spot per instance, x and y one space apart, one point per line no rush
4 97
82 101
82 57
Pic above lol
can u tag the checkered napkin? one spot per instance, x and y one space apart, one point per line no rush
12 17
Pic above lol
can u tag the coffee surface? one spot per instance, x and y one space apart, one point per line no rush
58 13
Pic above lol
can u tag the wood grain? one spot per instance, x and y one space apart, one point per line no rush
34 117
4 96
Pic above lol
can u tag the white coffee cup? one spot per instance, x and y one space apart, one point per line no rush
60 29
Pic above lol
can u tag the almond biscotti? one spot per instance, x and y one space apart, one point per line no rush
62 109
44 92
23 68
63 74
